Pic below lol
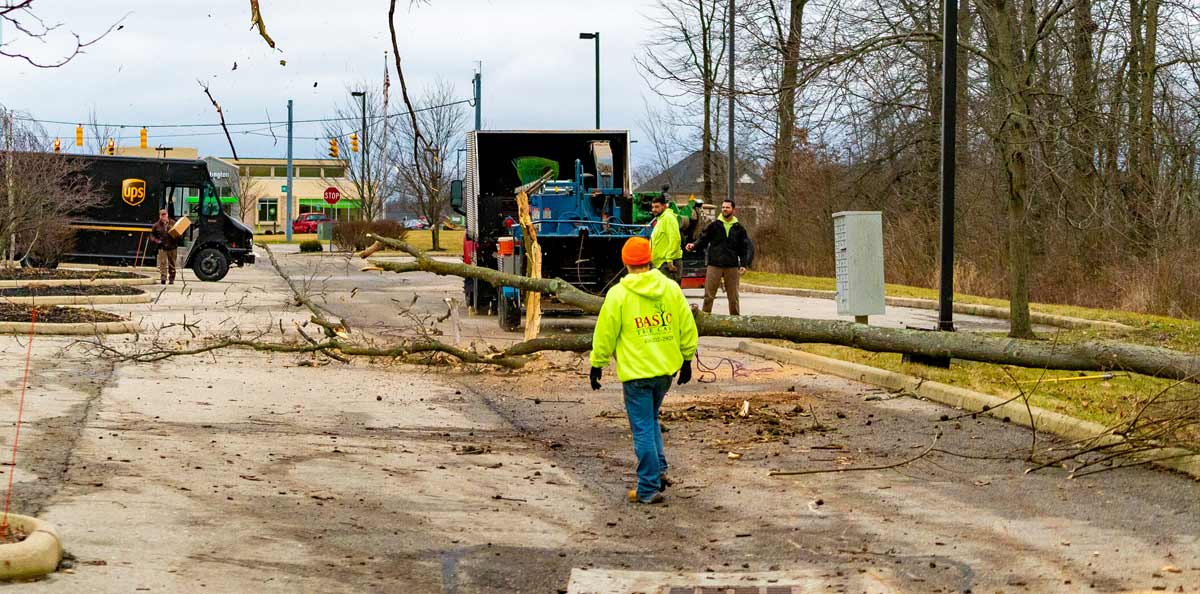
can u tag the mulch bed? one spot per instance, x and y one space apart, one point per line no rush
69 290
62 274
55 315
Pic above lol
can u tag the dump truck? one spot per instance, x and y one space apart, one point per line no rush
583 213
116 231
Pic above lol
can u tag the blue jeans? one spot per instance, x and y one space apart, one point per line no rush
643 398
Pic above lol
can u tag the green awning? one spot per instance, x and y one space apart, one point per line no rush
321 203
224 200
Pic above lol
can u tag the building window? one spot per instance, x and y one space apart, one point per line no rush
259 171
335 172
308 172
267 210
281 171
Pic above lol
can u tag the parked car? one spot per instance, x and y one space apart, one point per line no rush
418 224
307 223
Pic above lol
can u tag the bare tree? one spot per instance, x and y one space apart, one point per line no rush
369 171
661 132
40 193
24 25
424 166
682 63
247 190
98 134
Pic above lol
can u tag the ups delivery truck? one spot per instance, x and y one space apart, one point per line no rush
116 231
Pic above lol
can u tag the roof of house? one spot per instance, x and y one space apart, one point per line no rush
687 177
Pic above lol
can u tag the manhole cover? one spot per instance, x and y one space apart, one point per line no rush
603 581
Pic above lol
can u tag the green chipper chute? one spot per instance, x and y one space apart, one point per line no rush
531 169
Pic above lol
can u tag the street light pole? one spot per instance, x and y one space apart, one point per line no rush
595 36
949 111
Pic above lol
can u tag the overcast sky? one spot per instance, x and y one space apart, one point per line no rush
537 73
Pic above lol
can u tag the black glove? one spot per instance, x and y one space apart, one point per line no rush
595 377
685 373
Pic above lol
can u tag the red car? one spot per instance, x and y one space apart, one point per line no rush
307 223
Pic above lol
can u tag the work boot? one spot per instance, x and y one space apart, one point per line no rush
664 482
656 498
162 281
171 281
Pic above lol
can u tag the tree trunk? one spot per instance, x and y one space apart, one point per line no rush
1011 87
1147 173
1082 356
706 136
1082 193
785 142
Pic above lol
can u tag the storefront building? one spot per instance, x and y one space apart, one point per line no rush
266 182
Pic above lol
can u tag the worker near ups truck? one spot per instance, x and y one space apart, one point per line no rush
665 244
160 234
729 253
645 321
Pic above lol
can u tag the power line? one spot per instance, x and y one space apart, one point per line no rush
266 123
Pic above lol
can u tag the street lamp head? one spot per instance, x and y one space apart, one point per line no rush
358 93
588 35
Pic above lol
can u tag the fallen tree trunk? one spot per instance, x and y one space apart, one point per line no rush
1081 356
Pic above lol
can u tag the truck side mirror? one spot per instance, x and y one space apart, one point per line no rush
456 196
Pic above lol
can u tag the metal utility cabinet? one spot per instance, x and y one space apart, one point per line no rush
858 250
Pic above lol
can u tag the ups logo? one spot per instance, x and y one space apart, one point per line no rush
133 191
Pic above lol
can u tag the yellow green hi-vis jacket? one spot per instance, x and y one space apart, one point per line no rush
646 321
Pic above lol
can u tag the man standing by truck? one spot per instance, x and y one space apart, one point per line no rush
666 253
646 321
167 246
730 253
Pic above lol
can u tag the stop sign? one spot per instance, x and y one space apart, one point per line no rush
332 195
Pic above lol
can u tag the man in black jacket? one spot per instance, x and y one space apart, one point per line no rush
730 253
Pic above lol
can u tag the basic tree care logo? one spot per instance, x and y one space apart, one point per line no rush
133 191
655 327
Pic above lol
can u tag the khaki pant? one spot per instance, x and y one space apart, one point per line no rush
713 278
166 264
676 274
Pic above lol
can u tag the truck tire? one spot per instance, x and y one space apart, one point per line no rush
508 312
211 265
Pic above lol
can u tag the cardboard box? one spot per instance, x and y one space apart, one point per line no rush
180 227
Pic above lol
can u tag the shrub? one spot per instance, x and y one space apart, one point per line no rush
49 244
351 236
311 245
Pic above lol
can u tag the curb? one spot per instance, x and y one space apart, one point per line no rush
60 282
960 398
987 311
35 556
78 299
70 329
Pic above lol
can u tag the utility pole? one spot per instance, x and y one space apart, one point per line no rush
365 147
949 111
732 169
287 224
478 84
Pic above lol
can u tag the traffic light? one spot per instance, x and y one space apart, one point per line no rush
57 145
79 135
143 137
333 148
354 142
112 147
